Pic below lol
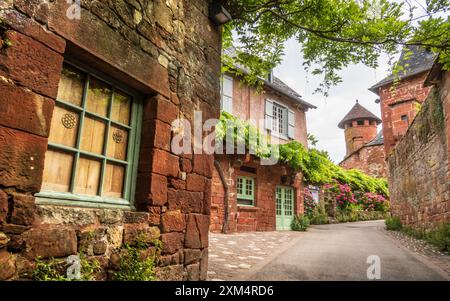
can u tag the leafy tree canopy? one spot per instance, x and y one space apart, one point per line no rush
332 33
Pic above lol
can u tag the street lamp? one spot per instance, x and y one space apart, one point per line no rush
218 14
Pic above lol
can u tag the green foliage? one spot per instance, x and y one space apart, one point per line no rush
56 270
137 261
440 237
47 271
393 223
333 34
300 223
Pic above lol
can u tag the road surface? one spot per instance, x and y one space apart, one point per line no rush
340 252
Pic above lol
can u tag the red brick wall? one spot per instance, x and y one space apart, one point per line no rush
369 159
359 135
260 217
419 164
410 91
168 51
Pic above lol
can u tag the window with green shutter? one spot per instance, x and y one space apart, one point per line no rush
245 187
93 141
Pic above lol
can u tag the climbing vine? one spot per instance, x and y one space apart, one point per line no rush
315 165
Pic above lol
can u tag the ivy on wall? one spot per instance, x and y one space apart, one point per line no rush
315 165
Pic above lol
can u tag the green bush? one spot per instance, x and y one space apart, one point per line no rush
393 223
319 219
440 237
300 223
136 264
56 269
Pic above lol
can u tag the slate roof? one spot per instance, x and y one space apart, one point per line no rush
378 140
356 113
276 84
415 61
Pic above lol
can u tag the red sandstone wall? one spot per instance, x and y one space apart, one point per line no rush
418 165
391 111
369 159
359 135
167 50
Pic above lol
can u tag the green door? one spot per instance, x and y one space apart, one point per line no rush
284 207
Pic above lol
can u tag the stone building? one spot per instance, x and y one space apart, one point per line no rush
419 164
365 150
87 99
402 95
249 196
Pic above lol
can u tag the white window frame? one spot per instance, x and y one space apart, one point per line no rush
272 121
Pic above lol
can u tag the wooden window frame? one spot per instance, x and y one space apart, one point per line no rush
244 195
130 163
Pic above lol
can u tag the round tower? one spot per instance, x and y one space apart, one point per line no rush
360 127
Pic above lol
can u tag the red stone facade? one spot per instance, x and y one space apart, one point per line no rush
369 159
169 51
399 106
419 163
356 136
249 104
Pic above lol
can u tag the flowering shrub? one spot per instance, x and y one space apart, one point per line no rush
371 201
309 204
342 193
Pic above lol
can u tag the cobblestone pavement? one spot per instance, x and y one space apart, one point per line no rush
423 249
232 255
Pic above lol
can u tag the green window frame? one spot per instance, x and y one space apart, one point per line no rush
129 163
245 188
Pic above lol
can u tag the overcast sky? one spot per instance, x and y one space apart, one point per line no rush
323 121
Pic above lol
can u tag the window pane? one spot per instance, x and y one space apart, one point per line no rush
114 177
278 204
98 97
88 176
93 135
71 84
57 171
121 108
239 186
118 143
64 127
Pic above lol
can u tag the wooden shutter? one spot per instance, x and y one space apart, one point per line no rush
268 118
291 124
227 94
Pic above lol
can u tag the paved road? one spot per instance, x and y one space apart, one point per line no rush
339 252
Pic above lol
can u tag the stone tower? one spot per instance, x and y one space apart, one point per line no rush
360 127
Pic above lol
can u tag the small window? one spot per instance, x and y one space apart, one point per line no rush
92 142
280 119
405 118
245 188
350 124
227 94
360 122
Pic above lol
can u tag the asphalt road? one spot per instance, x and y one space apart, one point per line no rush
340 252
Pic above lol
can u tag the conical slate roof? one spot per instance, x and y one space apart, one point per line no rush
356 113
